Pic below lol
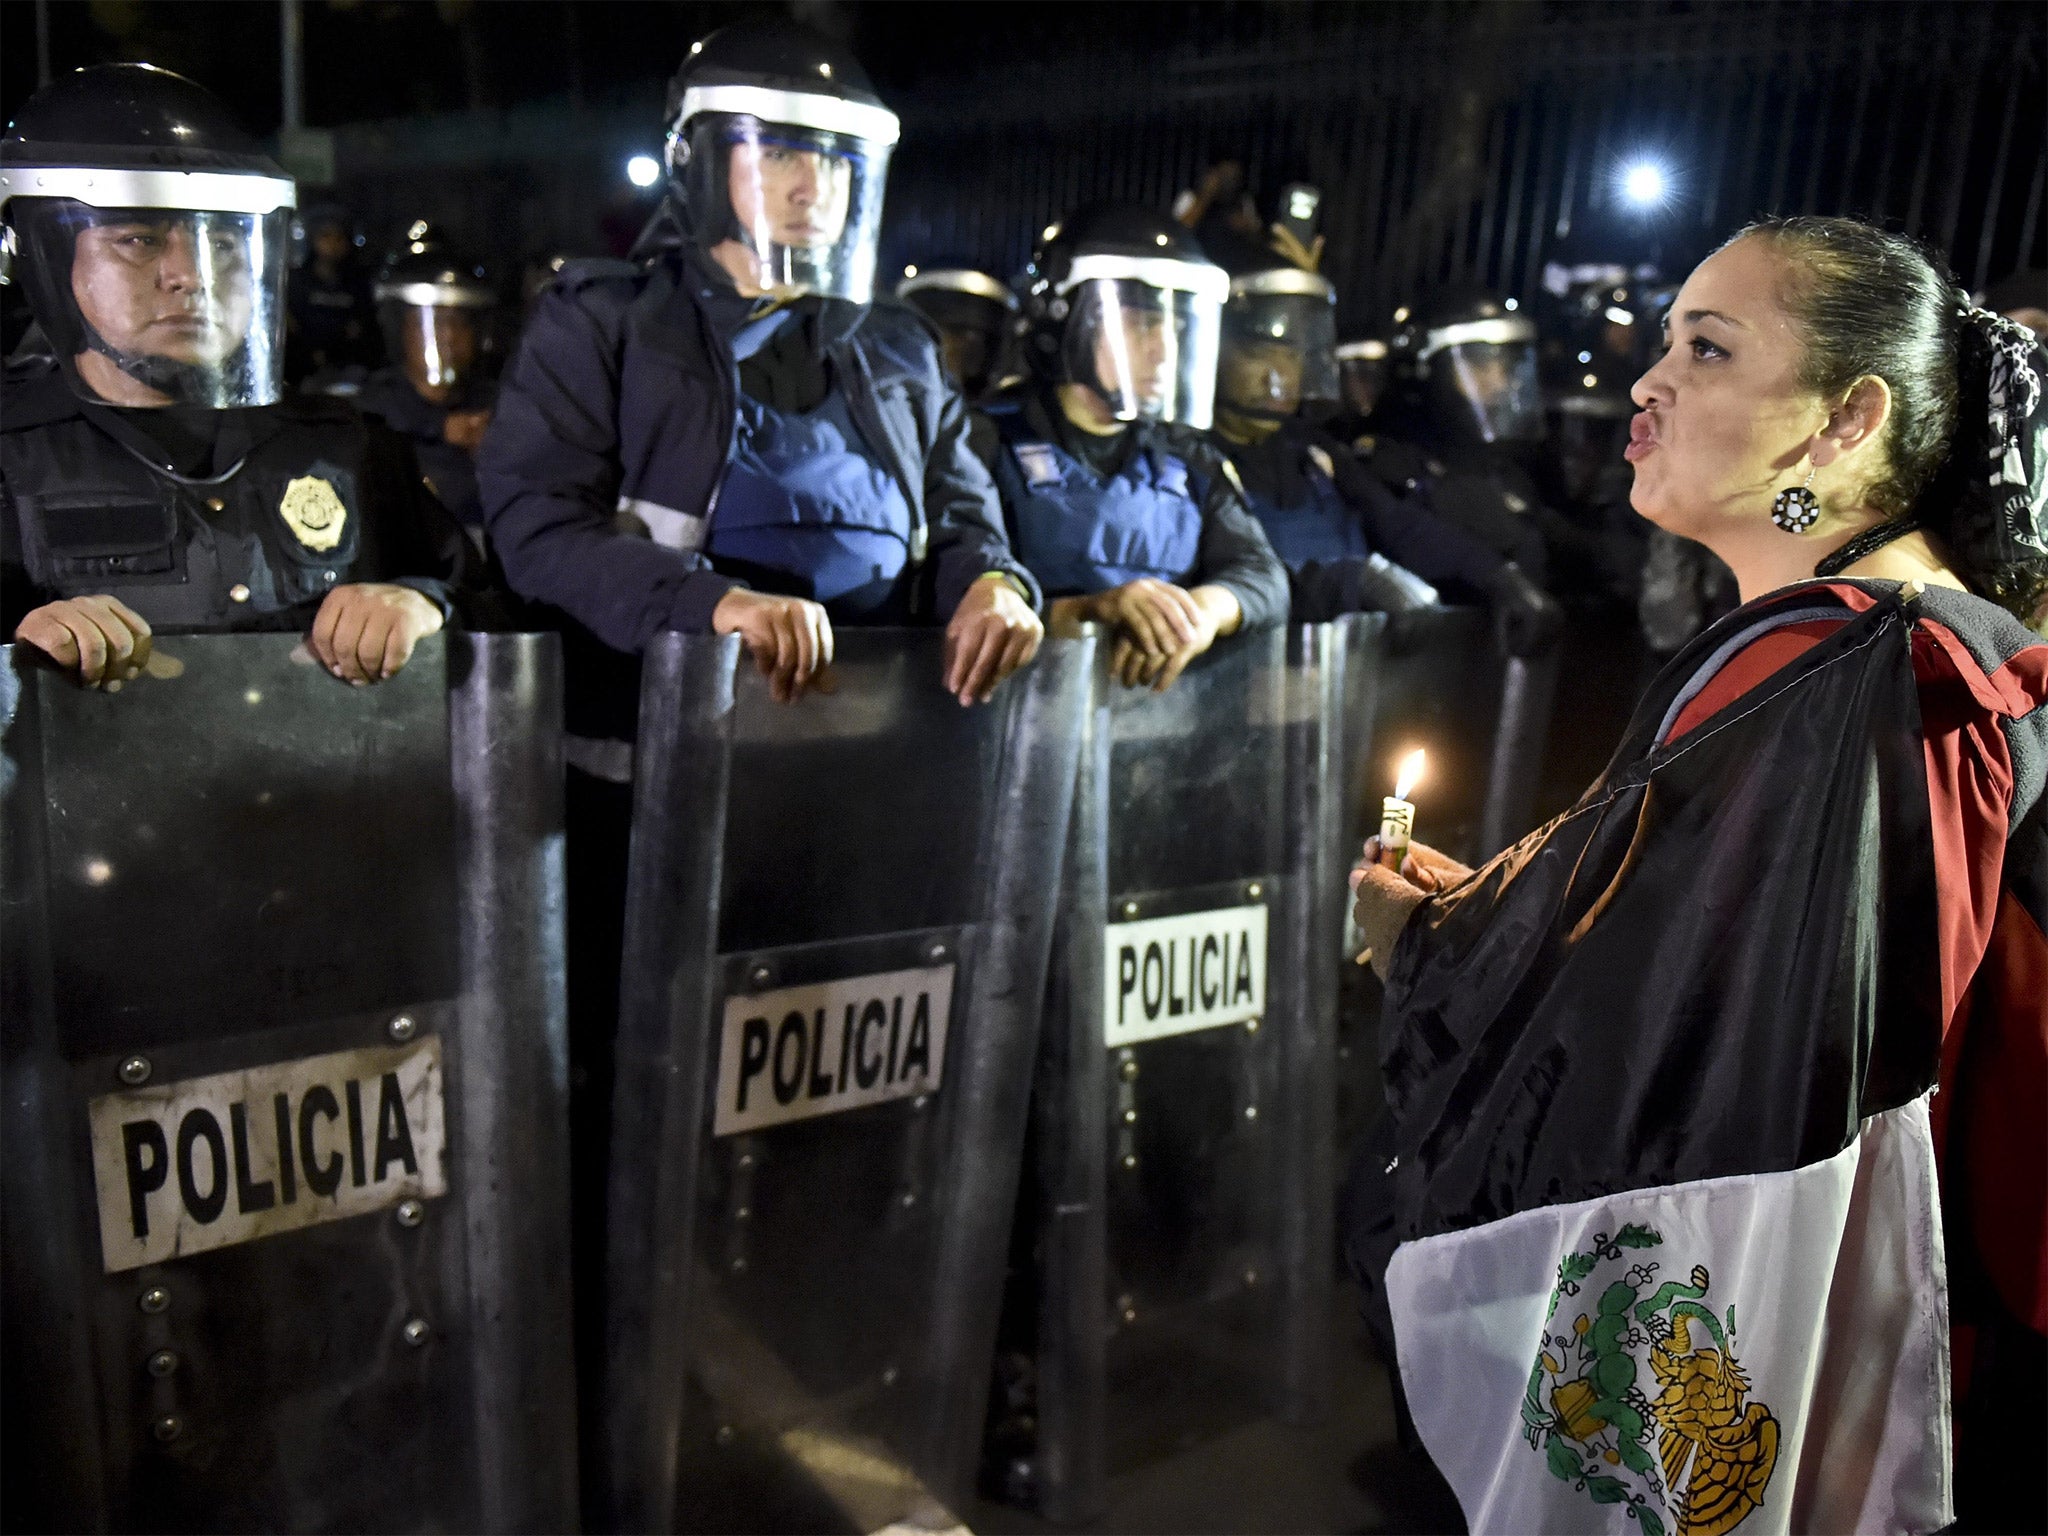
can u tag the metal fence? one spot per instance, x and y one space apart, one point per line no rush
1476 143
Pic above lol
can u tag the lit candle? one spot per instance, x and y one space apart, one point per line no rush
1397 813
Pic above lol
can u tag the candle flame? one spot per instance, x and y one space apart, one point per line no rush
1410 775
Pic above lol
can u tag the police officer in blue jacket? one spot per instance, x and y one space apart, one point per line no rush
972 311
1349 543
727 433
1118 503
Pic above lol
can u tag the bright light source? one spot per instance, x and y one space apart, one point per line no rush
1620 316
1591 381
911 270
643 170
1512 304
1644 184
1585 357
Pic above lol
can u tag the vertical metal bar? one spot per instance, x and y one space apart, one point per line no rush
1866 71
1816 149
1527 136
1555 139
1988 236
2023 252
1880 191
1717 164
1568 182
1924 162
1478 262
42 43
1787 124
292 62
1965 134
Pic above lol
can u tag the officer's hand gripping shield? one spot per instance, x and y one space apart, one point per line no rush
1182 1217
286 1241
839 915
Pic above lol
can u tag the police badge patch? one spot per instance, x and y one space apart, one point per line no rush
314 512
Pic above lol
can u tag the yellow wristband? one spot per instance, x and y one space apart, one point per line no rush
1015 585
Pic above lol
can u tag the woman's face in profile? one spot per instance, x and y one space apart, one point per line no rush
1723 415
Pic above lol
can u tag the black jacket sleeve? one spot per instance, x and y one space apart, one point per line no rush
1408 532
420 543
549 474
969 539
1235 553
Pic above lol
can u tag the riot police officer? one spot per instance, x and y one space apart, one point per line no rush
435 308
972 312
328 322
152 474
1116 500
728 434
1465 393
1349 543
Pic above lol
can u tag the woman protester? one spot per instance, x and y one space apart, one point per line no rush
1713 1185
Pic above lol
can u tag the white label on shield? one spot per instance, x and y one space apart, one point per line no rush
214 1161
815 1050
1169 975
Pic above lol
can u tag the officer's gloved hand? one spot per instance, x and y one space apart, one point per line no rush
992 633
1384 587
101 638
1526 619
365 631
790 638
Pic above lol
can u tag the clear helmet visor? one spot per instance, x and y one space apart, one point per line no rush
1279 353
1149 352
439 345
189 304
1499 383
802 208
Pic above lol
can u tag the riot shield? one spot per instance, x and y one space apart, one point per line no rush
838 920
1433 679
286 1208
1177 1277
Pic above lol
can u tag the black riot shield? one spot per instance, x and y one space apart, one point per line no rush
286 1207
839 914
1177 1274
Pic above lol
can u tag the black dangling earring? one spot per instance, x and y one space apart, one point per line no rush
1796 509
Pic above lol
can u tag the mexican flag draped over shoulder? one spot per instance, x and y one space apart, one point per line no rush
1661 1171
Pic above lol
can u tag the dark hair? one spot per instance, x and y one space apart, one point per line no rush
1870 303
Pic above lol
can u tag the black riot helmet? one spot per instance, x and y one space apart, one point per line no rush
1120 298
778 151
433 302
1473 357
133 186
1279 342
972 311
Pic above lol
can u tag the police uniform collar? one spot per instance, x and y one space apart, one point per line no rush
36 394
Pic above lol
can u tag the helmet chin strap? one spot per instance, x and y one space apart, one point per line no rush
1249 424
185 383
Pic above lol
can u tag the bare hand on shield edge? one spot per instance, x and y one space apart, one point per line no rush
992 633
365 631
101 638
790 638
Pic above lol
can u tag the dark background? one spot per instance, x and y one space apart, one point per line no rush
1455 141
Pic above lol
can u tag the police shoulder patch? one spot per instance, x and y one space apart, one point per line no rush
314 511
1040 464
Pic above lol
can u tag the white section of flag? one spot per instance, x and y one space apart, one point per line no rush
1837 1278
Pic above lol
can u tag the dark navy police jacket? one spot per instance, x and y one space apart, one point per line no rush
256 523
618 418
1156 501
